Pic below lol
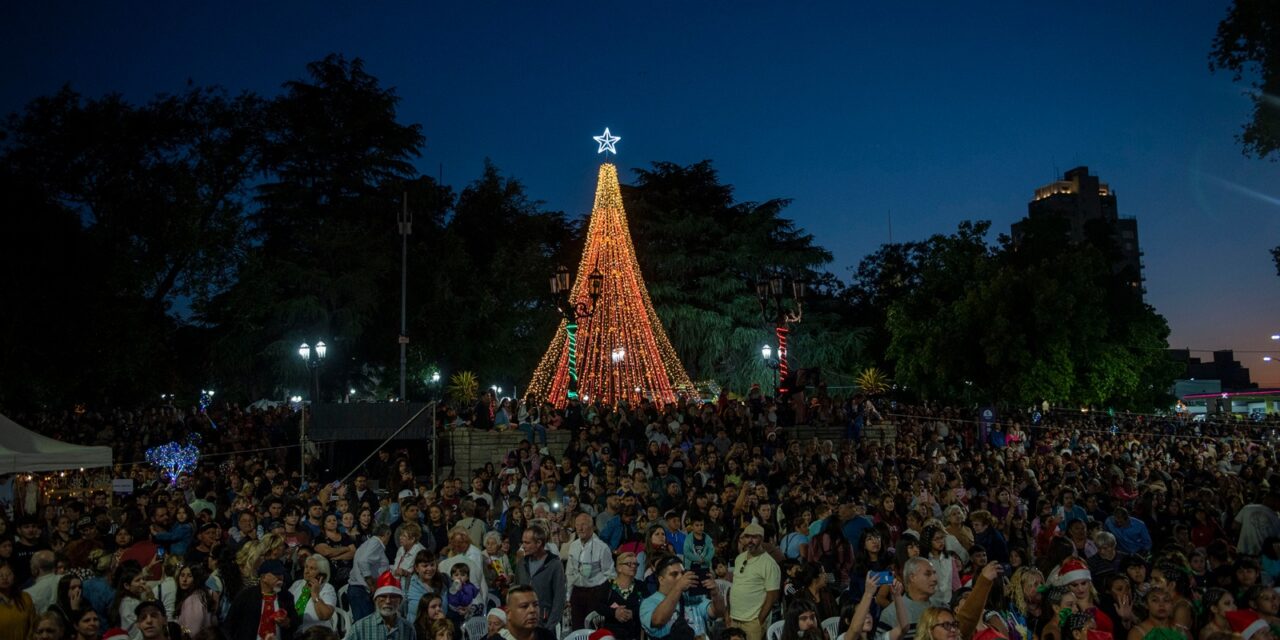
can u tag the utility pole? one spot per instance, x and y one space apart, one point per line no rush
406 227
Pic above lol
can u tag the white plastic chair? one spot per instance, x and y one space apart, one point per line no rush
343 603
494 601
832 627
475 628
343 621
775 630
580 634
723 586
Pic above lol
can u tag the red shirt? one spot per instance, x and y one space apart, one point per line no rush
143 552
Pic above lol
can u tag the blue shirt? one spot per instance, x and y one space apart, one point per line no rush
696 609
854 527
1133 539
371 627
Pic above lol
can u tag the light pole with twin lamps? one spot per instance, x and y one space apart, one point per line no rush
312 356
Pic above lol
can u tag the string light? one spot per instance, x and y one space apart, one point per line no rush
173 459
623 320
606 142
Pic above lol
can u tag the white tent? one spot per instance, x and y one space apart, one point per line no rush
23 450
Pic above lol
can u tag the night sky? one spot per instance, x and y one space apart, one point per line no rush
931 113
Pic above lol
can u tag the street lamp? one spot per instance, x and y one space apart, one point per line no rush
780 315
574 310
312 356
766 352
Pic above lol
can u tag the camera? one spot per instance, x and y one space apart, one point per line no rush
702 574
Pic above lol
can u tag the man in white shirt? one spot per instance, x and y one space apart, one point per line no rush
44 589
370 562
589 566
1257 522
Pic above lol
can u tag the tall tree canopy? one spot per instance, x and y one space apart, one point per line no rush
335 162
700 253
1247 44
121 212
1037 320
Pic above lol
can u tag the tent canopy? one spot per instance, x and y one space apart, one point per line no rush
23 450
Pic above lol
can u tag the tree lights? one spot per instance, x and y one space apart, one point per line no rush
618 349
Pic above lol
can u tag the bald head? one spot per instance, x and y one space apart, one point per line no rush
43 563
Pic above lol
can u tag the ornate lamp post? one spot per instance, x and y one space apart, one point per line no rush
573 311
313 357
781 316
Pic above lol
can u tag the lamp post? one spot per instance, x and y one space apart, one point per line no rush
574 310
312 356
781 316
766 352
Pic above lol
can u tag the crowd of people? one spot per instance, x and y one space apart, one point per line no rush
696 520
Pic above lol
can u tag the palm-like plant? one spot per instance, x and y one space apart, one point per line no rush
463 387
873 381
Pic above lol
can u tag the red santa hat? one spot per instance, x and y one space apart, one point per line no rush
115 634
388 585
1245 622
601 634
1072 570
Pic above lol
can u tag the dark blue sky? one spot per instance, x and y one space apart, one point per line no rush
932 111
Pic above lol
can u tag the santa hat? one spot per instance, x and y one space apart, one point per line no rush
601 634
1072 570
115 634
1245 622
388 585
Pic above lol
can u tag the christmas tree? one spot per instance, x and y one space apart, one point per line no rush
619 351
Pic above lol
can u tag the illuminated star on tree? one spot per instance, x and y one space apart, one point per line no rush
606 142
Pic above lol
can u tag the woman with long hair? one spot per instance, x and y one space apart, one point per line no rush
195 605
1217 602
427 580
1024 597
69 598
430 610
1176 580
17 612
933 543
655 544
1116 600
814 588
870 557
1060 602
802 622
226 581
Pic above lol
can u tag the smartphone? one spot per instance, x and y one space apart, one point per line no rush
159 552
883 577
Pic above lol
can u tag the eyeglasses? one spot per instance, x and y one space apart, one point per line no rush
949 626
628 564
